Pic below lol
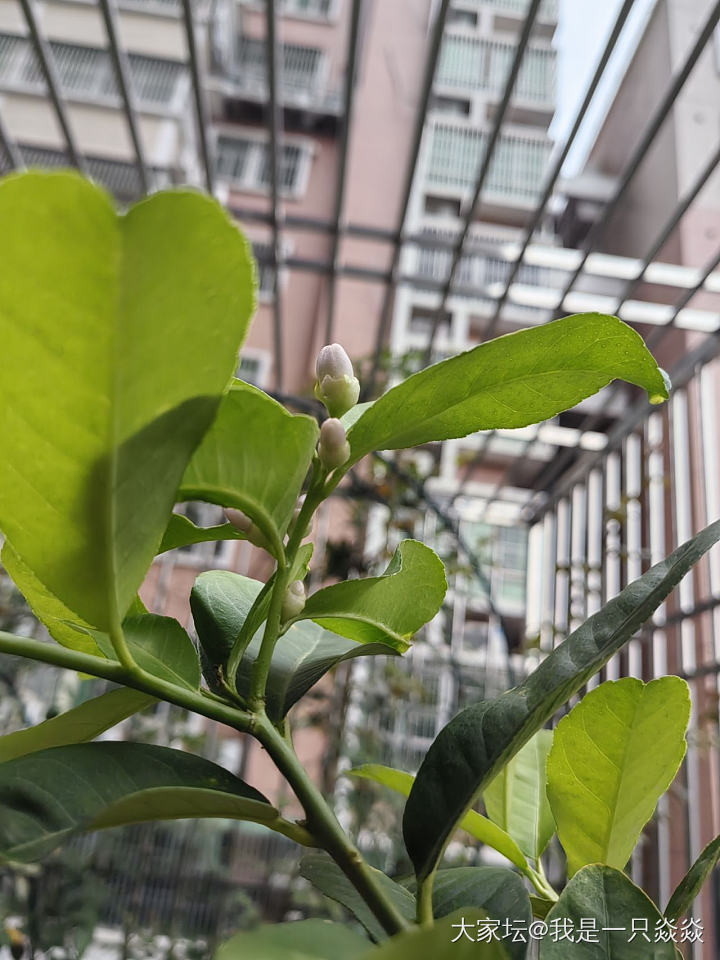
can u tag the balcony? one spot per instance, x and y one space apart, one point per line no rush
88 74
475 63
516 172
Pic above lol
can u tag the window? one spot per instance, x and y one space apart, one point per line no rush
253 368
86 72
263 256
246 162
462 18
308 8
481 64
301 66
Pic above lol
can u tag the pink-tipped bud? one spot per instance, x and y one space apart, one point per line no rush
337 386
333 448
294 600
244 524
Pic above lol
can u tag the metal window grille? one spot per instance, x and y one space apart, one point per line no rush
246 162
300 65
476 63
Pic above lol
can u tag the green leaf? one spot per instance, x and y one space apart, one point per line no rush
515 380
385 609
301 940
48 796
606 897
614 756
63 624
255 457
692 883
541 907
160 646
181 532
473 822
324 874
516 799
78 725
472 749
131 324
220 602
436 943
498 892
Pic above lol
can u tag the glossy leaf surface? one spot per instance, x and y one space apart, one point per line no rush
614 756
255 458
160 646
513 381
386 609
605 897
692 883
120 334
516 799
324 874
82 723
473 747
301 940
48 796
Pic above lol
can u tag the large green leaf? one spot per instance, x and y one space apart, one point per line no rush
255 457
160 646
475 745
473 822
516 799
301 940
692 883
602 897
324 874
385 609
448 939
220 602
82 723
614 756
48 796
512 381
498 892
119 334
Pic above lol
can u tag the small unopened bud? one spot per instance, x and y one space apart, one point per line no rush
337 386
333 448
294 600
244 524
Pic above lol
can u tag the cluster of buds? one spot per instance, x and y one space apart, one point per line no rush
244 524
337 386
293 601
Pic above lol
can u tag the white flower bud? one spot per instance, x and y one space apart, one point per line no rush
293 601
337 386
244 524
333 448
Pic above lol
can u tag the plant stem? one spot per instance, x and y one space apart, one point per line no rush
325 828
423 902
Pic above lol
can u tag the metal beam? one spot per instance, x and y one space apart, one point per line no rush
350 76
560 161
272 50
474 208
124 79
45 57
200 112
422 110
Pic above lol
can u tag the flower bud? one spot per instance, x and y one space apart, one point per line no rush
244 524
337 386
333 448
293 601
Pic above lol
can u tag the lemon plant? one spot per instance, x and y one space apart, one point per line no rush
120 337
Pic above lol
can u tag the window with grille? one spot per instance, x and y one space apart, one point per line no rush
300 65
481 64
246 162
86 72
308 8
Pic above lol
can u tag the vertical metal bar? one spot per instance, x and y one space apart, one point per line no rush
47 63
275 123
547 621
633 536
613 537
350 75
422 110
562 572
124 79
578 551
9 147
200 112
594 520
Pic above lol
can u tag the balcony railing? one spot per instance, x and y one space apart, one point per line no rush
476 63
516 172
302 75
88 73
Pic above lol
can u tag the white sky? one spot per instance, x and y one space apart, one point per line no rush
580 39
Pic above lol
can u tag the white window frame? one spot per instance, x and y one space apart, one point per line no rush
264 360
251 182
